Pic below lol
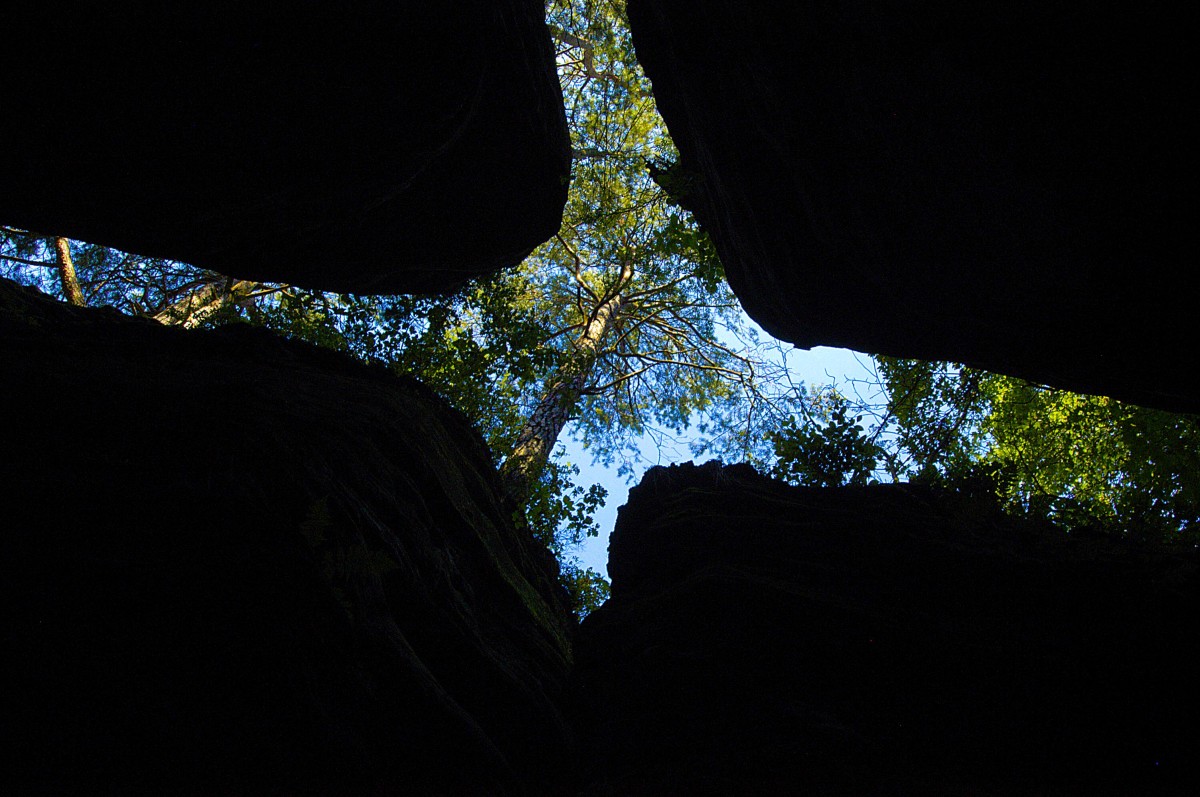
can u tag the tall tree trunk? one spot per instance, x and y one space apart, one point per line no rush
66 272
541 431
191 310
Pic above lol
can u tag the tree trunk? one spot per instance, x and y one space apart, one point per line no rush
541 431
194 308
66 273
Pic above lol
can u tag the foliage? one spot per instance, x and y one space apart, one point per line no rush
1082 461
587 588
934 409
830 455
1094 461
130 283
665 366
560 512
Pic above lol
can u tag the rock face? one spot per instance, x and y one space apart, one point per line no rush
234 564
766 639
1000 185
388 147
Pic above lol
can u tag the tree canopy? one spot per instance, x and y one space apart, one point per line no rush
1082 461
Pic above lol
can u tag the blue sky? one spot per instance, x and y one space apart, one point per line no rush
820 365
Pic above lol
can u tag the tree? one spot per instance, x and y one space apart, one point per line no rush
66 272
829 450
1093 460
621 325
1082 461
166 290
623 307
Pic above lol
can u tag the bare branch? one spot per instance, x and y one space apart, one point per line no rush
666 286
595 153
23 261
577 269
589 54
683 364
632 329
601 389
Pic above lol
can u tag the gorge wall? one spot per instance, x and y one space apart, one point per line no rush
235 564
885 640
387 148
995 185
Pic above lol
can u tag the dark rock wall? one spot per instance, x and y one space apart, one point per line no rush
996 184
385 147
234 564
766 639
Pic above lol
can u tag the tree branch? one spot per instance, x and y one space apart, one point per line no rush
601 389
683 364
577 269
666 286
23 261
